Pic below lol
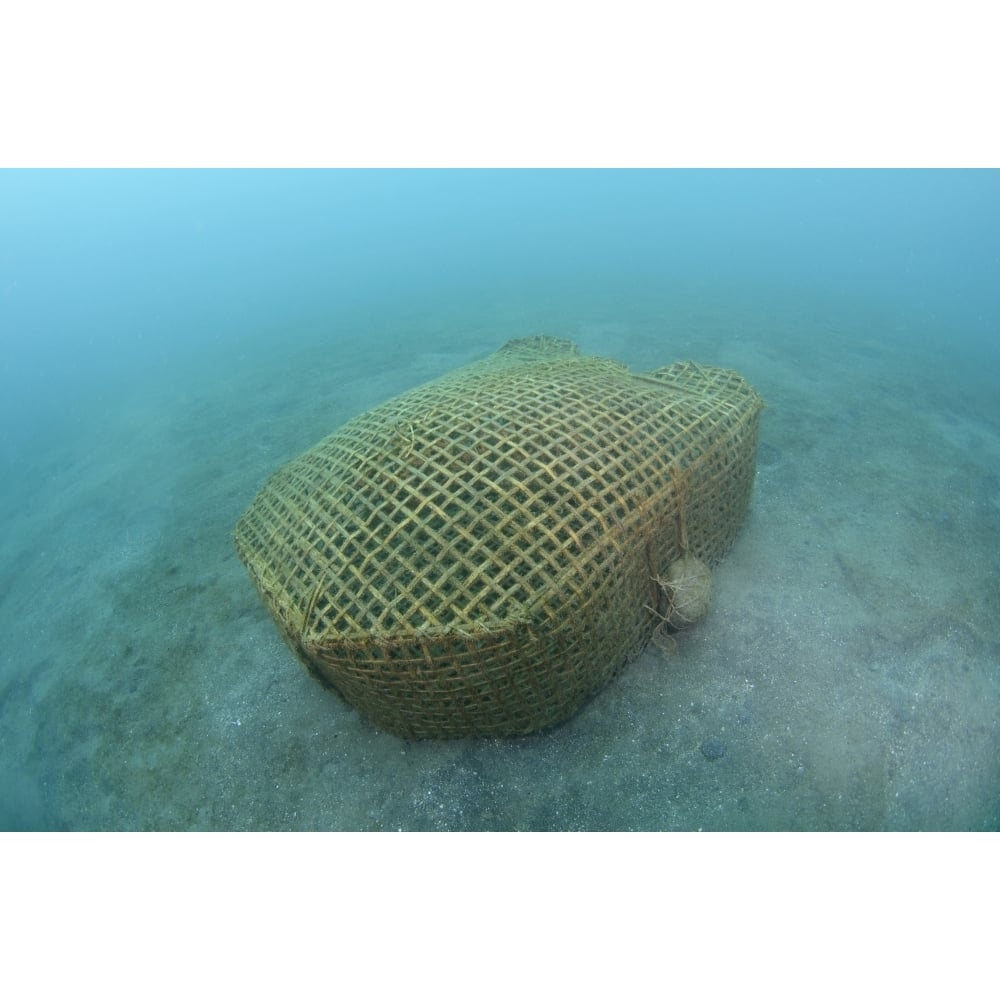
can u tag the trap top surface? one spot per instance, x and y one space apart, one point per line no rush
490 496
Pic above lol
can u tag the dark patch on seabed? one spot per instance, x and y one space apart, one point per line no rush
845 678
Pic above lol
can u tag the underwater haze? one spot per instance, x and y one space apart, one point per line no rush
171 338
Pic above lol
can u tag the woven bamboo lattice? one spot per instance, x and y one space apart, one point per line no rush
481 554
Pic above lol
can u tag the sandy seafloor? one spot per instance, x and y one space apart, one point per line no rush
847 676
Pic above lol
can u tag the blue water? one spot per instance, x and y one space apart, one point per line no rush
105 272
148 319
